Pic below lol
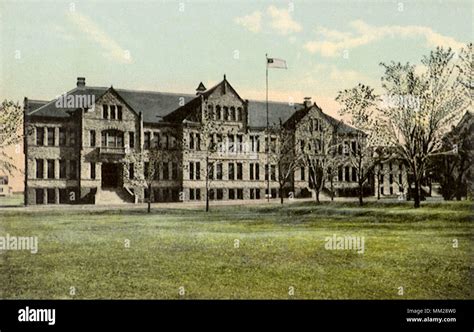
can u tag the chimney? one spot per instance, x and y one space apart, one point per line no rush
307 102
81 82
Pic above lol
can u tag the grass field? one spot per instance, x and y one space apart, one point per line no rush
279 248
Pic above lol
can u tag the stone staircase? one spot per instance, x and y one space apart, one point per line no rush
113 196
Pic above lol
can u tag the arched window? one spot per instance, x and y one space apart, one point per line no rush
232 114
218 113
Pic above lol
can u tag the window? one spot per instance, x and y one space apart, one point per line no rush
239 114
400 178
232 114
251 175
198 142
198 194
354 174
39 196
346 175
62 136
231 193
240 144
146 169
211 171
219 171
105 111
131 140
220 194
39 168
239 171
353 147
191 141
231 171
191 194
218 113
302 178
226 113
156 140
390 179
119 112
252 193
257 193
50 164
230 139
146 143
40 136
114 139
174 171
274 193
339 174
73 169
51 193
131 171
191 170
257 172
92 138
166 174
51 136
240 194
113 115
92 167
391 190
62 169
198 171
156 171
273 144
255 143
72 137
273 172
266 172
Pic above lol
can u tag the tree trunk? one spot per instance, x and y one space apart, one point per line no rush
317 197
149 198
416 196
378 186
281 195
361 194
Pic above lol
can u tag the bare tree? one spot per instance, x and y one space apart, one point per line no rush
425 107
360 103
10 133
286 157
320 146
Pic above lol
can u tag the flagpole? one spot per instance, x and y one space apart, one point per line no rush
268 136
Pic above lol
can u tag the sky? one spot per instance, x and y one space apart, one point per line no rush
171 46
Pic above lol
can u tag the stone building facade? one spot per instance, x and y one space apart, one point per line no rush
103 151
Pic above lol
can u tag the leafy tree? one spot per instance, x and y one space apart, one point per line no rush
11 118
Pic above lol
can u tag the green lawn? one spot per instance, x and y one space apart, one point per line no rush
280 247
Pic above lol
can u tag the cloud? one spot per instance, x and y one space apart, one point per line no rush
111 48
333 42
60 32
252 22
279 20
282 22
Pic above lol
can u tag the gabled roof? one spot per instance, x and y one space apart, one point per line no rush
153 105
341 127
